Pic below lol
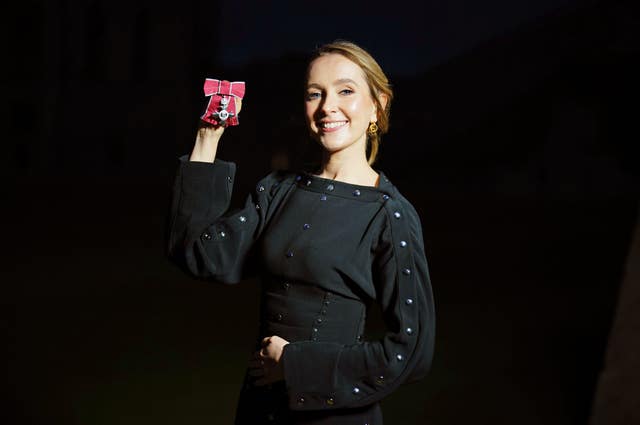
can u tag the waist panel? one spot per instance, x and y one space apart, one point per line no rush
298 311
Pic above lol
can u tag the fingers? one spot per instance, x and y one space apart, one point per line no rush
260 368
263 368
260 364
208 131
259 360
257 367
264 351
262 354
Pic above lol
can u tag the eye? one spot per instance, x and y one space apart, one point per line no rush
312 95
346 92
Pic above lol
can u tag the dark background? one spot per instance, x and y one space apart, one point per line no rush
513 134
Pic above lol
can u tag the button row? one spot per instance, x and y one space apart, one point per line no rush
408 301
207 236
330 400
331 187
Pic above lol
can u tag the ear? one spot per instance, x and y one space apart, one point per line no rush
383 98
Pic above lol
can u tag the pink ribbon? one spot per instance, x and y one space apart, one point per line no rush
221 109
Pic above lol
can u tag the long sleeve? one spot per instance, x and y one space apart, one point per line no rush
323 375
206 238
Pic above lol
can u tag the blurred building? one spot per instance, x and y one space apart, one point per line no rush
98 86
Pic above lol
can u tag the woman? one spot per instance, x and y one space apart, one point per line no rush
327 244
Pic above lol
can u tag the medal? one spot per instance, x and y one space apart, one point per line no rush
220 109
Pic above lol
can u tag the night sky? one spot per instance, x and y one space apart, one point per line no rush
406 37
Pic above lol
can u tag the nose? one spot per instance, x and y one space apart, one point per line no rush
329 104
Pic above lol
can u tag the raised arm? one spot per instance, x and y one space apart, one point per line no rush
204 236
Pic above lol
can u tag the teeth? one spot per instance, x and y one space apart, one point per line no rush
333 124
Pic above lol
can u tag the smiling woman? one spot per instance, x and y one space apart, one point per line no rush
327 244
349 95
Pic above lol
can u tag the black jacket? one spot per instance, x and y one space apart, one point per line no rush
357 242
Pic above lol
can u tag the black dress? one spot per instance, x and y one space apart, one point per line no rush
325 250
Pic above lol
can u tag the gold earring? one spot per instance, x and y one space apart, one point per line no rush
373 128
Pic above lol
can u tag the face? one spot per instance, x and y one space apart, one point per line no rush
338 101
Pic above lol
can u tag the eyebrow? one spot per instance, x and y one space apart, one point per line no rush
335 83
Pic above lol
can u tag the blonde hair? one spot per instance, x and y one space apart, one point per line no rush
377 81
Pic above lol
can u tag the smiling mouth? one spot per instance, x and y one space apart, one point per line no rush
332 125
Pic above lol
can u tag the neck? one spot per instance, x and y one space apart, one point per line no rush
348 165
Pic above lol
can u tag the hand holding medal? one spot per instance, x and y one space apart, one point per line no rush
223 107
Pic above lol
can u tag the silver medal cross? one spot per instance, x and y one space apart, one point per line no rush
223 115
